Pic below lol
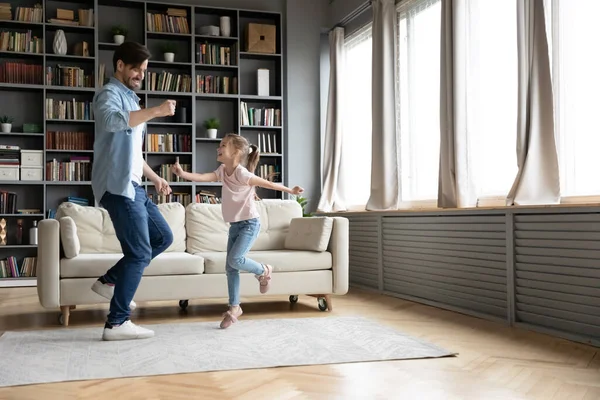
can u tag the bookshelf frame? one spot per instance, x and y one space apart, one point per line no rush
47 195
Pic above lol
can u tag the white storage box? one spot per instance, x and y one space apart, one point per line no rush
262 78
32 174
9 173
32 158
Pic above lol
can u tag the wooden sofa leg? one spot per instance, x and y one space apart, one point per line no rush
329 302
65 313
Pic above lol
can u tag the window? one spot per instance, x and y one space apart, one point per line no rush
491 80
418 113
573 30
356 119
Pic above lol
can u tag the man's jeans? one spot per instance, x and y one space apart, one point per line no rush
242 235
144 234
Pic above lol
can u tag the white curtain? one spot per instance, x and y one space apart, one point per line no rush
385 186
332 194
538 179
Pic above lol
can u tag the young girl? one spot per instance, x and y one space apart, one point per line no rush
238 161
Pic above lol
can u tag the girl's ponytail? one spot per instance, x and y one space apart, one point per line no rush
253 157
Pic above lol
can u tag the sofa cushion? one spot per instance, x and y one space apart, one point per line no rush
68 237
96 232
281 260
207 231
310 234
95 265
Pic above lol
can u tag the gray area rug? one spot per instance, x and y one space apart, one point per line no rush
70 354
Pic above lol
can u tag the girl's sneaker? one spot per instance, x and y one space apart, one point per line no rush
231 316
264 280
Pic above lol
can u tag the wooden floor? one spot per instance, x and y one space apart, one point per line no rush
494 361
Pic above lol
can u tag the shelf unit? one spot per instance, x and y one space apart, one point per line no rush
45 194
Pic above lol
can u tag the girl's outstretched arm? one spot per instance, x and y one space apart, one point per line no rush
192 176
256 181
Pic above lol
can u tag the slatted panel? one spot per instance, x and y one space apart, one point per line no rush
364 254
458 261
558 272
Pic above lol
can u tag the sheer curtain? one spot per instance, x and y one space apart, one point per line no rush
419 23
573 32
491 79
356 121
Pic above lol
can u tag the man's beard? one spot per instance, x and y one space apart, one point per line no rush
131 84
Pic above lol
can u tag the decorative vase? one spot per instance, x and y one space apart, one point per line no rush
118 39
59 45
212 133
33 234
6 128
169 57
225 26
2 232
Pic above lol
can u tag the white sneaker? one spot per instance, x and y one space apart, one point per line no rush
107 291
126 331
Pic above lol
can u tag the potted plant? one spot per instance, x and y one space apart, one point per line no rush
303 201
169 49
119 32
6 122
211 125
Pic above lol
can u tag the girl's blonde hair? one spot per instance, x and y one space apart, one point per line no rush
249 152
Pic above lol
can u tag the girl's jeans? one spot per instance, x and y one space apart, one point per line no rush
242 235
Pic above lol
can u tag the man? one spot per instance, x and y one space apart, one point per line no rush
116 182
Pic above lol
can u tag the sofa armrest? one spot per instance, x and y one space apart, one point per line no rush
48 263
339 249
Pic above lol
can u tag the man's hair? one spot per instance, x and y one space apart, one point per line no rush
131 53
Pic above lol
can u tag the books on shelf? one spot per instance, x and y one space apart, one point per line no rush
9 268
164 171
262 116
168 82
8 202
174 21
169 143
62 75
267 143
207 197
183 198
24 42
78 200
76 170
9 155
69 140
30 14
270 172
216 84
20 73
216 54
69 109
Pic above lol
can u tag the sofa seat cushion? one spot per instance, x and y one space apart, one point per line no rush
95 265
281 260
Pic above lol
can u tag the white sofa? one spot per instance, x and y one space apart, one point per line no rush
309 255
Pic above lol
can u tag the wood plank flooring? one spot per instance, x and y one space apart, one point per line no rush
494 361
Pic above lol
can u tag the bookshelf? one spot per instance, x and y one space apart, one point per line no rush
41 84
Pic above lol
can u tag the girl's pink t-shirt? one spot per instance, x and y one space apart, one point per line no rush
237 199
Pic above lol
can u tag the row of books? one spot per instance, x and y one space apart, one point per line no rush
69 140
69 109
76 170
166 81
20 73
164 171
62 75
261 116
168 142
216 54
9 268
24 42
174 21
216 84
29 14
183 198
8 202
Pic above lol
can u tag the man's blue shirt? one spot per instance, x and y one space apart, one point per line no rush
113 142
